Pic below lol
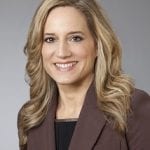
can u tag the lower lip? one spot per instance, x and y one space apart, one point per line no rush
69 68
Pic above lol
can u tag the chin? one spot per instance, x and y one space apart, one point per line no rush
65 82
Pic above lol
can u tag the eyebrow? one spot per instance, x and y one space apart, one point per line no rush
71 32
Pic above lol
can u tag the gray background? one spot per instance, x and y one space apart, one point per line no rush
130 19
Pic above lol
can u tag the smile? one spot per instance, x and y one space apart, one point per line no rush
65 66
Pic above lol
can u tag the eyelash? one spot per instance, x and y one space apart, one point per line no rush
74 38
49 39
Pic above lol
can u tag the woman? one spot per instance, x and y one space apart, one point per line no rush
79 97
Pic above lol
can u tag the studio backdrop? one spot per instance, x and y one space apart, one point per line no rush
131 22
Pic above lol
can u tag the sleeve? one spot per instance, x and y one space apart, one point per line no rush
138 133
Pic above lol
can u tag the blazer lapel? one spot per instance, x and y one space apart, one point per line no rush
43 136
50 124
88 128
90 123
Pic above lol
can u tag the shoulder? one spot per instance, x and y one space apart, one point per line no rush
138 95
140 101
138 133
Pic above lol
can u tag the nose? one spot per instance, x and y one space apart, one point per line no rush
63 50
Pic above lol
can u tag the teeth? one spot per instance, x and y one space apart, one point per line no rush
65 65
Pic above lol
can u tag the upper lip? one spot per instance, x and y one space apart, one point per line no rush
65 62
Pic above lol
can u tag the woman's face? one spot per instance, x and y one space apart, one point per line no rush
68 48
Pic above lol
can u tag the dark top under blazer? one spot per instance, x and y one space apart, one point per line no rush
93 132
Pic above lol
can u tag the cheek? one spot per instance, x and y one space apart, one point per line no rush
46 58
45 53
86 52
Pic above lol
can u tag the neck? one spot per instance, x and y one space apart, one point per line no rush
71 99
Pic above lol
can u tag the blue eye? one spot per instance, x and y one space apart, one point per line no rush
49 40
76 38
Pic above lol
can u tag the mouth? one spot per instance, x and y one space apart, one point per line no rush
68 66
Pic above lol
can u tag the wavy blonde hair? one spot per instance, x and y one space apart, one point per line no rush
113 88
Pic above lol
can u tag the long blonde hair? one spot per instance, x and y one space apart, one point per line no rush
113 88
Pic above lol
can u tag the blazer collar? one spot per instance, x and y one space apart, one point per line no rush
90 123
88 127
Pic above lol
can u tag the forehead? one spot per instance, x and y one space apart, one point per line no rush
66 17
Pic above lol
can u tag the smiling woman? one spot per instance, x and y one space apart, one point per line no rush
79 96
68 52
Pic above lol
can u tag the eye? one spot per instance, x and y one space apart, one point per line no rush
76 38
49 39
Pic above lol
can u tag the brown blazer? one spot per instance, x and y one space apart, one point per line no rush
93 132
